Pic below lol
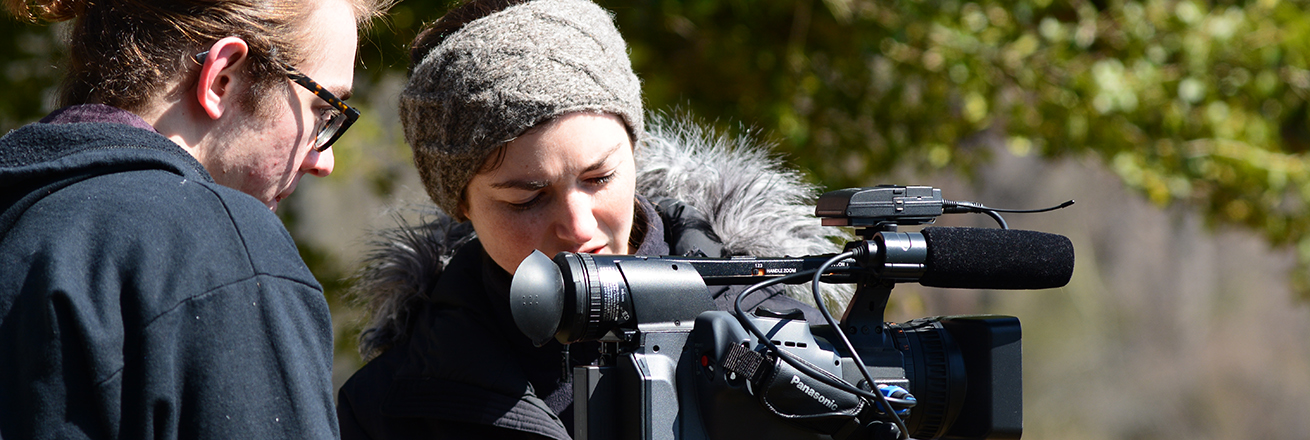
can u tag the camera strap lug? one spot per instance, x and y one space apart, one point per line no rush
745 362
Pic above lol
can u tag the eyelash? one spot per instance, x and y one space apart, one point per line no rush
525 205
599 181
602 179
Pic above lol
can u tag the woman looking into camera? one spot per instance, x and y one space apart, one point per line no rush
529 133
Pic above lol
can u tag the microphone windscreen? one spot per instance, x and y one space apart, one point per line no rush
987 258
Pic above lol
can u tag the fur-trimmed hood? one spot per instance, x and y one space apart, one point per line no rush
755 205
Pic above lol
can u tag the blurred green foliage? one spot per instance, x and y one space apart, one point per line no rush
1191 102
1202 103
30 57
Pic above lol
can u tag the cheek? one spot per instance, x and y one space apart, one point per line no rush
516 231
286 133
274 143
616 215
287 147
294 132
507 236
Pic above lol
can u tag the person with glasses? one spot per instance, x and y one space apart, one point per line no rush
147 290
331 122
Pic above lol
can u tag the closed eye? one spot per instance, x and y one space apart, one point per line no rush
602 180
524 206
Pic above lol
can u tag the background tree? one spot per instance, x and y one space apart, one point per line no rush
1188 102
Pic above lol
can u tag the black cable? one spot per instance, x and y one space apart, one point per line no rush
957 207
818 298
804 368
788 357
902 403
996 216
1066 204
960 207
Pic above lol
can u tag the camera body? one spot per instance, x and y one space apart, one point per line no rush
673 367
670 379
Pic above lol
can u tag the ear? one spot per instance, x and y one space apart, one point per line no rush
463 214
220 71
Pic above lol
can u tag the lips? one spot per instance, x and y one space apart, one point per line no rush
593 250
601 249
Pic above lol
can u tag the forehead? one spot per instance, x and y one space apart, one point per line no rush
330 44
571 141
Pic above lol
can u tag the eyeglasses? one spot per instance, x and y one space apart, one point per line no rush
330 126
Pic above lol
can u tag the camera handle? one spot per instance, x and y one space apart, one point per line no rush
863 321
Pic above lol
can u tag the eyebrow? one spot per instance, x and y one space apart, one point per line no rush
526 185
533 185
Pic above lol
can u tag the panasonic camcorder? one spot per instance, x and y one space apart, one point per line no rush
673 367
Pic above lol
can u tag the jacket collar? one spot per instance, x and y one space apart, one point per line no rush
82 142
96 113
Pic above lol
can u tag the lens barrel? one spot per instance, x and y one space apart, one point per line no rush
966 373
935 369
583 297
605 303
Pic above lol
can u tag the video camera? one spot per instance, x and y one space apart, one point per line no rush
673 367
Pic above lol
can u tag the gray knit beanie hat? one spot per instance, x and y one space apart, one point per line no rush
499 75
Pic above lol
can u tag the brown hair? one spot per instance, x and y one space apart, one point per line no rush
122 52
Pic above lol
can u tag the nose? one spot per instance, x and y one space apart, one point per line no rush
577 223
318 163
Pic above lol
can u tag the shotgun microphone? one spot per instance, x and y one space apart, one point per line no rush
984 258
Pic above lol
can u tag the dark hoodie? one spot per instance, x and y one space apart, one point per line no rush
139 299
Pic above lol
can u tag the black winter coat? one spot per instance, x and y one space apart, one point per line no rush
466 372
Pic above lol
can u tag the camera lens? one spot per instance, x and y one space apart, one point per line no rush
580 303
582 297
605 301
935 368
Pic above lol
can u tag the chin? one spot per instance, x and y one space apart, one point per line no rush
272 204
